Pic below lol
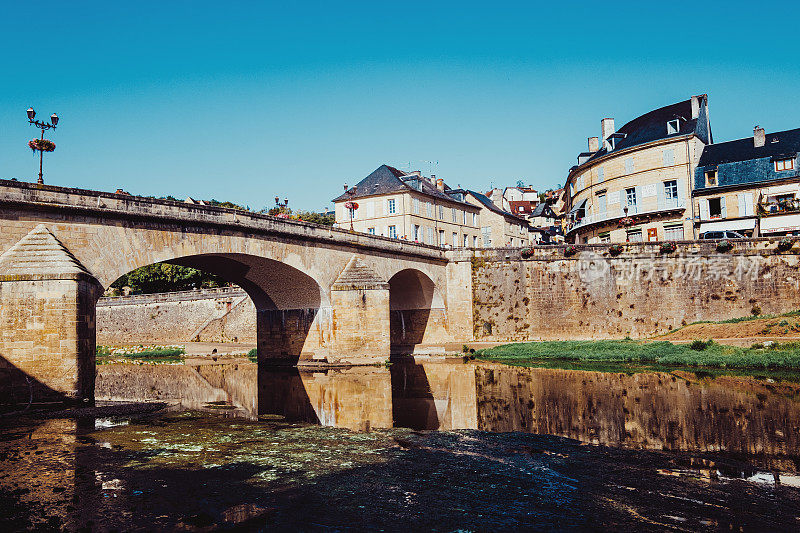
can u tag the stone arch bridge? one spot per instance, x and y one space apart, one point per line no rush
322 295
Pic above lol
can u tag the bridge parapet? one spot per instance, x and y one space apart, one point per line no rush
126 206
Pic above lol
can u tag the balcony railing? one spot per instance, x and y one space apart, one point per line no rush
777 208
633 210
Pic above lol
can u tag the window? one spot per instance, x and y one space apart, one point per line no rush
746 204
715 207
455 215
711 178
673 233
784 164
673 127
370 209
466 241
635 235
441 237
429 209
630 196
416 233
475 219
629 165
605 237
671 190
431 236
393 230
465 219
415 203
474 241
600 203
455 239
371 231
441 212
579 185
601 175
486 233
669 157
391 207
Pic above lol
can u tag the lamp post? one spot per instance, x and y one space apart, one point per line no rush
350 204
41 144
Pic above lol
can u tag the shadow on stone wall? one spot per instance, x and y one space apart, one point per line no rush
18 390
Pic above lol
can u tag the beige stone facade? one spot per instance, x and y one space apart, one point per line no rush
640 191
414 216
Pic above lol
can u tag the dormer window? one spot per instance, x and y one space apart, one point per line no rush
610 144
673 126
784 164
711 178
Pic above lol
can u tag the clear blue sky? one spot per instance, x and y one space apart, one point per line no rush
243 101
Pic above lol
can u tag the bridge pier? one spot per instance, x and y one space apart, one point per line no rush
47 321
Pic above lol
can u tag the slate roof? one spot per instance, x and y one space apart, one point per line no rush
543 210
386 180
652 126
482 198
788 143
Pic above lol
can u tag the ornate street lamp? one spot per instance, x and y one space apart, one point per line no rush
41 144
350 205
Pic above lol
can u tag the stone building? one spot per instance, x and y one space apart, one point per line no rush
499 228
750 186
633 184
394 204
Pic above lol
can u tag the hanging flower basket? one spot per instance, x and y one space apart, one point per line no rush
615 249
42 145
668 247
570 250
785 244
351 205
626 221
724 246
526 253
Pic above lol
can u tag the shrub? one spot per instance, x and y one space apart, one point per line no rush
724 246
785 244
698 345
615 249
755 311
570 250
526 253
668 247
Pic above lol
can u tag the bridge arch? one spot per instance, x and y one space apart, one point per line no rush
416 311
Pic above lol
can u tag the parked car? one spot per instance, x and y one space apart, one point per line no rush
722 235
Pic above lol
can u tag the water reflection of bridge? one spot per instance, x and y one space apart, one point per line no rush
651 410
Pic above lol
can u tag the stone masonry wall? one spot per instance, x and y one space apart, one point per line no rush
218 315
638 293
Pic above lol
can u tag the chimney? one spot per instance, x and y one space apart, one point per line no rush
416 173
696 106
440 184
594 144
433 179
606 127
758 136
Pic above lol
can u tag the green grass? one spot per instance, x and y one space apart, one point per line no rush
663 353
166 355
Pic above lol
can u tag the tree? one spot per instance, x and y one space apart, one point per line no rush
324 219
165 277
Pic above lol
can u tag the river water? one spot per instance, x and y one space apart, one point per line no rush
439 445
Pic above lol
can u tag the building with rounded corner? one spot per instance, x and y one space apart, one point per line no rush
635 183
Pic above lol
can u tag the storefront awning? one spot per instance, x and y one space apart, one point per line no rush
780 223
729 225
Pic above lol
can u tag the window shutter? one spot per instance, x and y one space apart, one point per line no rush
682 196
703 209
742 204
722 204
669 157
638 199
660 194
